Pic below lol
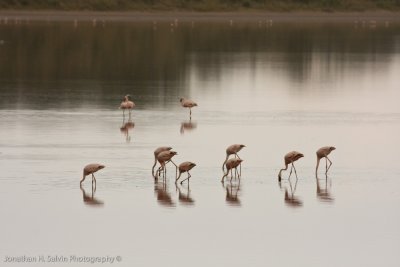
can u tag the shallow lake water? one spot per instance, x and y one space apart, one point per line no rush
275 87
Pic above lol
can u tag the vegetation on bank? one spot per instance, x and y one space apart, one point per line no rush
203 5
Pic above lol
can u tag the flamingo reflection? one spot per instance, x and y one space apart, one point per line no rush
187 126
90 199
163 196
290 199
232 192
184 195
323 193
126 126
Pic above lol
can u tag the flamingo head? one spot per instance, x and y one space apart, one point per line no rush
332 148
100 167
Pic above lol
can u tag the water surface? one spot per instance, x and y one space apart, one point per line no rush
274 87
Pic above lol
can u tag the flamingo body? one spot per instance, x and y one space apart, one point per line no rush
289 159
232 150
91 169
323 152
230 164
185 167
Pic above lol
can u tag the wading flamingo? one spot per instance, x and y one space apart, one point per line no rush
187 103
127 104
163 158
323 152
90 169
158 151
289 159
231 164
185 167
232 150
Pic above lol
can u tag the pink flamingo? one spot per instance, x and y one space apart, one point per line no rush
290 158
187 103
90 169
323 152
231 164
163 158
185 167
127 104
158 151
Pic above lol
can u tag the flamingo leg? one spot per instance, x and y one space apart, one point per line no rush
83 179
294 168
223 164
291 169
225 174
187 178
329 164
176 180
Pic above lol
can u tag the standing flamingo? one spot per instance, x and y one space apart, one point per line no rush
127 104
187 103
290 158
185 167
90 169
323 152
158 151
231 164
165 157
232 150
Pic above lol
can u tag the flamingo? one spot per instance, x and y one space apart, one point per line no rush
90 169
231 164
232 150
127 104
187 103
158 151
323 152
185 167
290 158
164 157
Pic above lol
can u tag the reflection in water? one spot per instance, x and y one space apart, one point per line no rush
232 192
29 58
90 199
184 195
163 196
187 126
324 193
126 126
290 199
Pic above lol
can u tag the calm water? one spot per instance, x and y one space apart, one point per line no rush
273 87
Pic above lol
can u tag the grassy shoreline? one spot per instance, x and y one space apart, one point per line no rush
204 5
57 15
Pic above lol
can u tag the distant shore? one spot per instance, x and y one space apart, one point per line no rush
11 15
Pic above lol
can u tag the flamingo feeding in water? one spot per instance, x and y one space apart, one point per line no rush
290 158
127 104
232 150
323 152
163 158
158 151
187 103
91 169
231 164
185 167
